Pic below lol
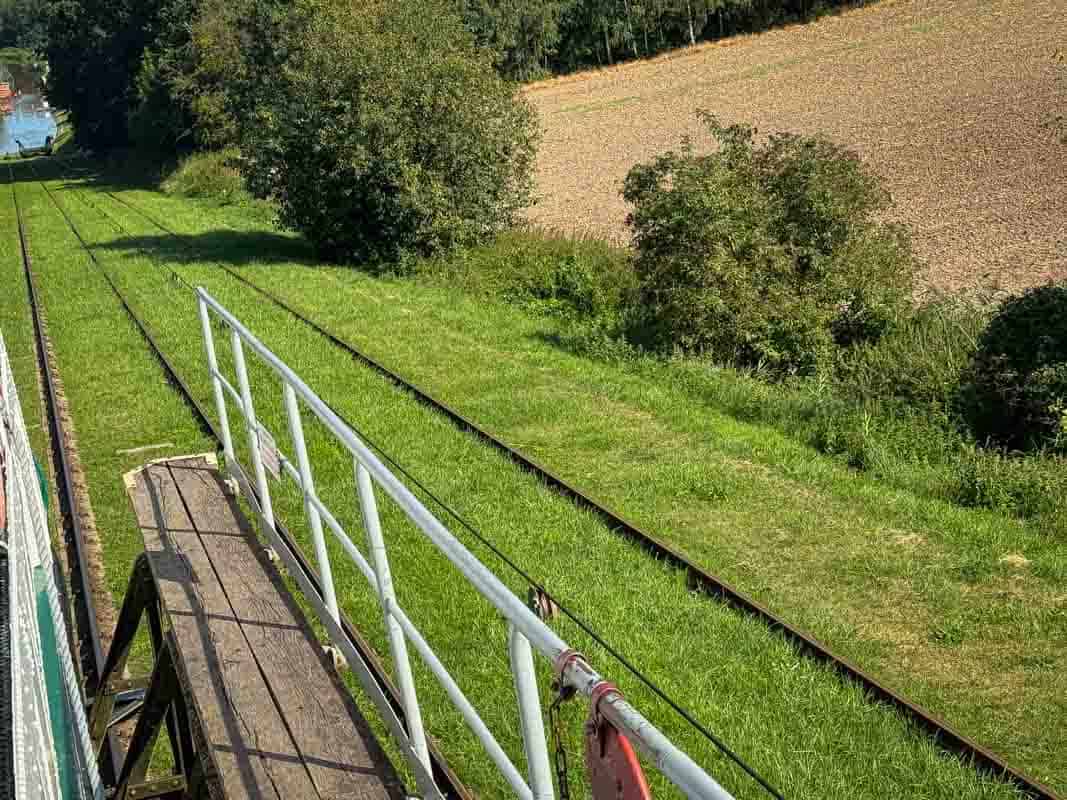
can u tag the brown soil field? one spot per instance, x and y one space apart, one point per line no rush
953 103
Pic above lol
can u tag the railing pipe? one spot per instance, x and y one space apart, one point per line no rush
213 369
574 671
459 700
252 427
307 485
387 597
531 720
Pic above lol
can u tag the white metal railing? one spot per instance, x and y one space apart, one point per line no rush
53 757
526 632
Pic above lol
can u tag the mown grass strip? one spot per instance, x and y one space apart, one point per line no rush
113 386
926 595
15 320
809 733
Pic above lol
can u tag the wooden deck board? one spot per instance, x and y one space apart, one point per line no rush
277 721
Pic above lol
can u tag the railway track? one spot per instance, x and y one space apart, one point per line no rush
87 639
698 578
446 779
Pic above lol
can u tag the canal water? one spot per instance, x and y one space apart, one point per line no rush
30 123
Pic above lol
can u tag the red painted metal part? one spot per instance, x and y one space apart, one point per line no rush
610 761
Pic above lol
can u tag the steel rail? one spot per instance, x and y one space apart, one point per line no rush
443 774
89 647
938 729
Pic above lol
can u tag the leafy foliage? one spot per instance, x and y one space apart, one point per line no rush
1014 392
211 176
918 363
533 37
764 254
387 132
23 24
94 51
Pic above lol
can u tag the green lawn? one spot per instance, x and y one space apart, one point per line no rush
17 325
912 588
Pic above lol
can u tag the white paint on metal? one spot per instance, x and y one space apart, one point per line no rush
383 580
40 770
524 625
531 720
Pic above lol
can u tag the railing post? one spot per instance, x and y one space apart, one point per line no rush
296 429
397 643
216 385
252 427
538 767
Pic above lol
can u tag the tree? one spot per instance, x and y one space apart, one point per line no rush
523 33
385 131
23 24
94 52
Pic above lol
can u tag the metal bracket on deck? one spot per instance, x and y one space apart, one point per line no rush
337 658
172 788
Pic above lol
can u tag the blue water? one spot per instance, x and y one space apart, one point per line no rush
29 122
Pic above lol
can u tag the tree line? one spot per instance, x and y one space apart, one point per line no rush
155 71
537 38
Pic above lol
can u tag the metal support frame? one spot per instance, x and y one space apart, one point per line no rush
161 701
527 633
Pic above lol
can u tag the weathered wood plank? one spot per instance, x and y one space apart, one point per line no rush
247 741
338 749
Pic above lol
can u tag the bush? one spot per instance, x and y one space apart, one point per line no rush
1024 487
388 133
543 272
1014 392
764 254
212 175
917 364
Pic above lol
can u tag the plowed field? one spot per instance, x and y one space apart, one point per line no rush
951 102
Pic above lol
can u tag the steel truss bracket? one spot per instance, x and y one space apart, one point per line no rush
156 700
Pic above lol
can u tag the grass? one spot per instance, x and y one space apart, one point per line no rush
718 464
18 326
738 495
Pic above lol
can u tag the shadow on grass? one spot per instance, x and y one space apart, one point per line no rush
235 248
226 246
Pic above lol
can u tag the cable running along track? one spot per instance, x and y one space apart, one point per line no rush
937 728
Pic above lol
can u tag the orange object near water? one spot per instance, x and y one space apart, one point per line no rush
611 763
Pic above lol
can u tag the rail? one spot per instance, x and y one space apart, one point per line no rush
526 632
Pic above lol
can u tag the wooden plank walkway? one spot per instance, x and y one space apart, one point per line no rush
274 719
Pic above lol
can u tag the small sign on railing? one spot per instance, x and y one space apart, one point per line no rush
268 454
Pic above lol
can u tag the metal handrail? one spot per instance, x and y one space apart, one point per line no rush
525 629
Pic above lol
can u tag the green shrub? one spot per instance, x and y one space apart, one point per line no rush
920 361
387 132
541 271
1024 487
212 175
767 254
1014 392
